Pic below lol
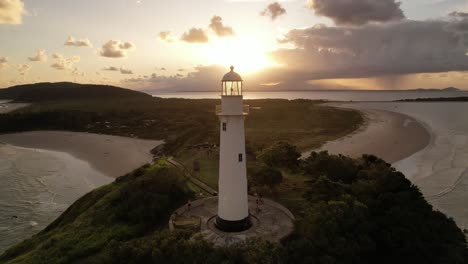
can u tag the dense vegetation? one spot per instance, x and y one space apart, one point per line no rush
182 123
43 92
353 211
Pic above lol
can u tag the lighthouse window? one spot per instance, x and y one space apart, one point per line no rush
240 157
224 126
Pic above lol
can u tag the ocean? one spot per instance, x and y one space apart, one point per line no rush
36 187
325 95
441 169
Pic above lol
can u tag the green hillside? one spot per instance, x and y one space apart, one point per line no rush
352 211
42 92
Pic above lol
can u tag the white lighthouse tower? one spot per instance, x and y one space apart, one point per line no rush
233 208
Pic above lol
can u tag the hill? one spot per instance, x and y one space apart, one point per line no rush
439 99
42 92
448 89
353 211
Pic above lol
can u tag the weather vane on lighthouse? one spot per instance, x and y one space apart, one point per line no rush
233 205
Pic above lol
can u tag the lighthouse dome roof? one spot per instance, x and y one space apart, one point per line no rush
232 76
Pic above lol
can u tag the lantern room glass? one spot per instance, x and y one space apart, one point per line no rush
231 88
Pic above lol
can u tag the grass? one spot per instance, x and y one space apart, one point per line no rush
182 122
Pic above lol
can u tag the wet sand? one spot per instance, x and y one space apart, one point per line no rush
388 135
111 155
8 107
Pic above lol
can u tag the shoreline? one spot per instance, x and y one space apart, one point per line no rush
112 156
6 107
37 186
388 135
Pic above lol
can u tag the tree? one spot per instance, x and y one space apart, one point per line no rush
280 155
267 176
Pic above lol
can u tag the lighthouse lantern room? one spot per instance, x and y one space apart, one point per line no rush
233 209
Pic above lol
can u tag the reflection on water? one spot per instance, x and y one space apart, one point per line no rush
324 95
36 187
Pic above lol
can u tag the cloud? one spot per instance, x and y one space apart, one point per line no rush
358 12
11 12
111 68
195 35
395 48
40 56
3 63
203 78
122 70
459 14
23 69
221 30
386 52
273 11
207 78
63 63
71 41
116 49
166 36
125 71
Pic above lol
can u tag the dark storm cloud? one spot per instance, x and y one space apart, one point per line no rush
219 28
358 12
273 11
195 35
459 14
376 49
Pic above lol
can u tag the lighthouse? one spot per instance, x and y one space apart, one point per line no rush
233 207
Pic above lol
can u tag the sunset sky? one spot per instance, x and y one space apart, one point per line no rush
180 45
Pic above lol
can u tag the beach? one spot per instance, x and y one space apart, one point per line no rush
427 142
111 155
44 172
388 135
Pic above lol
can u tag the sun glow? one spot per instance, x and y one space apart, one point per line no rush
246 54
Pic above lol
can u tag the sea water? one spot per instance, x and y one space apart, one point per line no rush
441 169
363 95
36 186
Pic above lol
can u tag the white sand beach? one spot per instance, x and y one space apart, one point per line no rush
437 164
112 155
388 135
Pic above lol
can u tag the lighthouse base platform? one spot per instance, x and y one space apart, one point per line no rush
269 220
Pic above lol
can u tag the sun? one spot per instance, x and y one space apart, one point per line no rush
246 54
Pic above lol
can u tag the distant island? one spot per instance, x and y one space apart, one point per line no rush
448 89
282 89
347 210
439 99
